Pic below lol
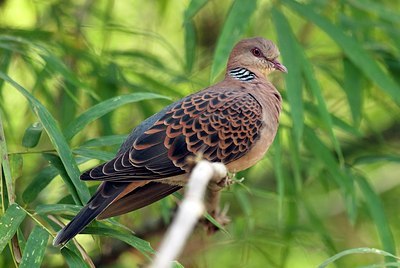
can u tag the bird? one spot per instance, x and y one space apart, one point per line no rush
232 122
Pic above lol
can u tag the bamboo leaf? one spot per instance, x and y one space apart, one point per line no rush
57 139
105 141
190 45
5 168
353 88
377 213
72 259
356 251
35 248
56 162
32 135
143 246
291 59
234 26
193 8
9 224
94 154
352 49
103 108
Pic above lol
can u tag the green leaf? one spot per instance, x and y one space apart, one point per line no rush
351 48
56 162
353 88
291 59
356 251
105 141
16 165
5 168
368 159
41 180
278 170
103 108
38 183
343 180
377 8
58 209
377 213
234 26
190 45
143 246
176 264
57 139
9 224
193 8
94 154
72 259
32 135
35 247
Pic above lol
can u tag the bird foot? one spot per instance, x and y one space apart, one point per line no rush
220 219
217 186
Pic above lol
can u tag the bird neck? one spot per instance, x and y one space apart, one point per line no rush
241 73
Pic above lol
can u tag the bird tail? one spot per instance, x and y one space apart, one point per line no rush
104 196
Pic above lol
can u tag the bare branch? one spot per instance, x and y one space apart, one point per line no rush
191 209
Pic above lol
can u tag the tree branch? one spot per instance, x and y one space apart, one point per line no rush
191 209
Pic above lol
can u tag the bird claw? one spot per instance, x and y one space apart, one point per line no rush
217 186
221 217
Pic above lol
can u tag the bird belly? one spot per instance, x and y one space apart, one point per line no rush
256 153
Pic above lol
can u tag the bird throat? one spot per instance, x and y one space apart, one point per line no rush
242 74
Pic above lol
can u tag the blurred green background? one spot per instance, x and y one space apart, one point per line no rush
330 183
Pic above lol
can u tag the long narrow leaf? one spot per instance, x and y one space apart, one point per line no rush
291 59
5 167
9 224
143 246
56 137
103 108
376 210
351 48
234 26
34 249
72 259
356 251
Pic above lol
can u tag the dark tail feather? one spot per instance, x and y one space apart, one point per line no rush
138 198
105 194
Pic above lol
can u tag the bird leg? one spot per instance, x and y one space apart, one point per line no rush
212 201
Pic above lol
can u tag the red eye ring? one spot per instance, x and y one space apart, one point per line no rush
257 52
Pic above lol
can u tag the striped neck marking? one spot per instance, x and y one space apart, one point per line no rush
242 74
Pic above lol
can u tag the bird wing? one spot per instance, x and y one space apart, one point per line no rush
222 125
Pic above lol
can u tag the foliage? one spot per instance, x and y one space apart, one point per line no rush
75 76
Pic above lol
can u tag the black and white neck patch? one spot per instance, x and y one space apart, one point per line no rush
242 74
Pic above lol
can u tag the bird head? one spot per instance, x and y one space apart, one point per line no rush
257 55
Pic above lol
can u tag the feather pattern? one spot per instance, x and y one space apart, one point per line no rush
221 125
233 122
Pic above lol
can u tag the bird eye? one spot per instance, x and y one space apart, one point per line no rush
256 52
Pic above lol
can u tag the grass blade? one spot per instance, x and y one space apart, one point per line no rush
353 87
234 26
193 8
6 169
143 246
376 210
105 141
57 139
32 135
352 49
9 224
290 55
72 259
356 251
35 247
103 108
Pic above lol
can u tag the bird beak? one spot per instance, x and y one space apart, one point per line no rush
279 66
